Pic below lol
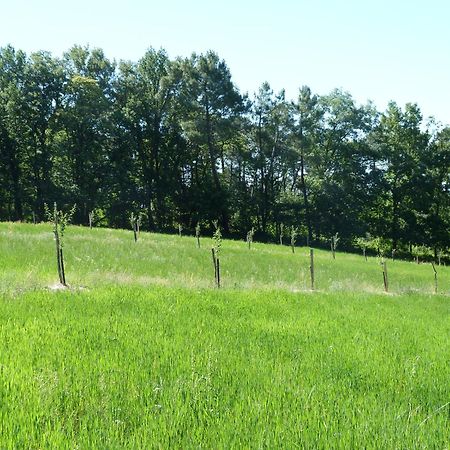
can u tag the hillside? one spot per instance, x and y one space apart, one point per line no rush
105 257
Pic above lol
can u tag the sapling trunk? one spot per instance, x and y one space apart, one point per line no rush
334 242
217 239
435 278
59 254
293 238
60 221
133 223
197 234
34 218
250 238
216 262
364 253
311 267
138 224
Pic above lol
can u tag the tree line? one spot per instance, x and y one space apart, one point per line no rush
175 141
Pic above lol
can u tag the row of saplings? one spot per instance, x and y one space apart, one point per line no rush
61 219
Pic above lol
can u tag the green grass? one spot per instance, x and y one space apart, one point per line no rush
100 257
143 352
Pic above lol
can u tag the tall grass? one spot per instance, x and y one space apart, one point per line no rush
163 368
101 257
128 358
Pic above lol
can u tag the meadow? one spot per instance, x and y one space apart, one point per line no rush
141 351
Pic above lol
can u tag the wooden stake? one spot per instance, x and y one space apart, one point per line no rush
215 264
34 218
198 241
311 267
134 231
385 276
364 253
58 253
58 261
218 272
63 273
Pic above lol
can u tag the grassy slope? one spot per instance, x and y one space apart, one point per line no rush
128 361
102 257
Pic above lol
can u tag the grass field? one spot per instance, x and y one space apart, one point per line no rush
142 352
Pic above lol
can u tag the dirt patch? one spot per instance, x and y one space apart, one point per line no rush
57 287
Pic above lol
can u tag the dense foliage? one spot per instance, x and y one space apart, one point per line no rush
176 141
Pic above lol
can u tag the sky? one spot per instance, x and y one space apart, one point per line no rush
377 50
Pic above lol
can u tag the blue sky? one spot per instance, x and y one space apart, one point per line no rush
378 50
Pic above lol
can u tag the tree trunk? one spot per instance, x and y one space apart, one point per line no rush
215 176
17 195
305 196
394 225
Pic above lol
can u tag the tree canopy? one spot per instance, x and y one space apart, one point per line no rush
176 141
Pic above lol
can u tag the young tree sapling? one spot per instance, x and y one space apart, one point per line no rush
197 233
60 220
293 237
249 239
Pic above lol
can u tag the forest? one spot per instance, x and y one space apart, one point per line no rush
176 141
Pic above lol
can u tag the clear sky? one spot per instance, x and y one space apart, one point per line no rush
378 49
